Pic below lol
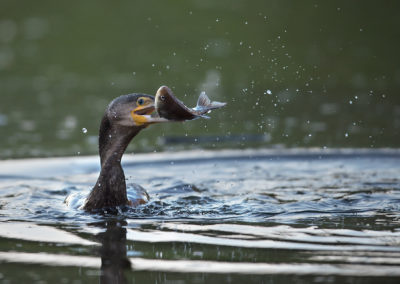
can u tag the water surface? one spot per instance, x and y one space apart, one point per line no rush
255 216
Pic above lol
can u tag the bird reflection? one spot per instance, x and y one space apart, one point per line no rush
114 260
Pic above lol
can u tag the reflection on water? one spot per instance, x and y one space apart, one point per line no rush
307 215
113 252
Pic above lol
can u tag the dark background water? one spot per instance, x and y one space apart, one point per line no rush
294 73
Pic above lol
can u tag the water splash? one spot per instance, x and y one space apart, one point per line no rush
235 207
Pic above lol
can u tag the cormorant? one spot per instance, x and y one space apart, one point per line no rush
124 117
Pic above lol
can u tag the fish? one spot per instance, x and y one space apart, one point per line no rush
169 107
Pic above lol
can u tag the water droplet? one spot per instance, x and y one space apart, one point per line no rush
351 102
268 92
84 130
346 135
217 20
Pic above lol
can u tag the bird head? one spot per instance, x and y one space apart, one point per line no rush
131 110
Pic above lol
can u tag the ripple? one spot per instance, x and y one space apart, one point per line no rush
195 266
315 214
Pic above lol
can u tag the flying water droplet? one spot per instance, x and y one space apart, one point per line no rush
84 130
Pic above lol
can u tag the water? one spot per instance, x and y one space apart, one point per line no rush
287 69
259 216
294 74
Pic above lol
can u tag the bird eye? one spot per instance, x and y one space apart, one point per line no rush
140 101
162 98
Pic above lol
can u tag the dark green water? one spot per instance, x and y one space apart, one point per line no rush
294 74
331 68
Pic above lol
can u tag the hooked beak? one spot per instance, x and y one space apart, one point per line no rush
144 110
141 114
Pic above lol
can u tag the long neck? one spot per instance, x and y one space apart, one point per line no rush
113 140
110 188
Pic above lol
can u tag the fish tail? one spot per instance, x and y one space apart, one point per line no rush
205 103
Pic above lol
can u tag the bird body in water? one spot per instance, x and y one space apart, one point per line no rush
124 118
